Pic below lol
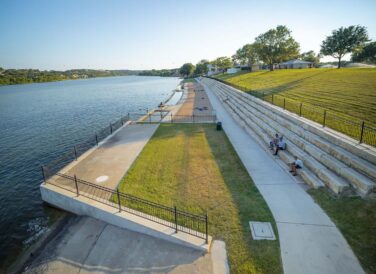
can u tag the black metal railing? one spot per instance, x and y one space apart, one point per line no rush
168 117
77 150
350 126
196 225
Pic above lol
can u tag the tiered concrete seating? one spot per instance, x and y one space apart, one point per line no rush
330 160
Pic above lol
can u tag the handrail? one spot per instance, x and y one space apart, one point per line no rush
358 130
169 216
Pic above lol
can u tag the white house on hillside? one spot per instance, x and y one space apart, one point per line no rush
295 64
233 70
212 70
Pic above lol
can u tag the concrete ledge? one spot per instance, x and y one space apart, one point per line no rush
81 205
219 258
330 163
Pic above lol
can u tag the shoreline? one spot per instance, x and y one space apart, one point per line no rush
28 253
64 80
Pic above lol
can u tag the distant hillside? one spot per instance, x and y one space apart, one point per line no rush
23 76
351 91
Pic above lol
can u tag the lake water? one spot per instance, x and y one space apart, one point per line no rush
40 121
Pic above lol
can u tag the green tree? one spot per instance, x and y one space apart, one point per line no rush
311 56
343 41
187 69
246 55
223 63
366 54
276 45
201 67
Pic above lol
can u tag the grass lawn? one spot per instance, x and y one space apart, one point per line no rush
188 80
196 168
356 218
349 93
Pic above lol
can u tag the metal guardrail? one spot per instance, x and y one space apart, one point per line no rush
57 164
350 126
196 225
170 216
158 117
77 150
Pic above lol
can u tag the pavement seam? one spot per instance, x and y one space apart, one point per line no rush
91 248
293 223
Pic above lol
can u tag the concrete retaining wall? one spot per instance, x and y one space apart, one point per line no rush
81 205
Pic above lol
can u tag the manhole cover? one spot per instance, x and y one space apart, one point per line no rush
101 179
262 231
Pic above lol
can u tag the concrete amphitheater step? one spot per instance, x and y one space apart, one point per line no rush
334 182
285 156
362 151
337 152
362 183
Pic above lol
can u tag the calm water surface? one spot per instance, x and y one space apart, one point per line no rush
40 121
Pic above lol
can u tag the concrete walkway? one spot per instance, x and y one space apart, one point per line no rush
87 245
309 240
108 163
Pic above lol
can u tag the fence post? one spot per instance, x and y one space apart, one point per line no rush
96 139
111 128
272 99
176 220
324 118
361 133
75 181
300 109
118 197
193 118
284 103
149 118
206 228
75 152
171 117
44 175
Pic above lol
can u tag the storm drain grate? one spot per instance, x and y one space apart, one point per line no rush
262 231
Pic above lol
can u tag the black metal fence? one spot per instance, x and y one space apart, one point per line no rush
76 151
196 225
351 126
168 117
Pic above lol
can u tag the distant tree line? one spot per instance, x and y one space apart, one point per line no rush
277 45
24 76
161 72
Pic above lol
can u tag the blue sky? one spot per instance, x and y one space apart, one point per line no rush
158 34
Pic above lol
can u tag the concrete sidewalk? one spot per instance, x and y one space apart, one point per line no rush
87 245
309 240
108 163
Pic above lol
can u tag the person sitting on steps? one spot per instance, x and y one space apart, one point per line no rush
274 143
297 164
281 145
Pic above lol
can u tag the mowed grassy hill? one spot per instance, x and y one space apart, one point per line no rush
349 91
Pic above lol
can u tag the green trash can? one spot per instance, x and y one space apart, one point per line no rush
219 125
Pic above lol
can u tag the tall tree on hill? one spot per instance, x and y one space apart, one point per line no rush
365 54
276 45
311 56
343 41
187 69
201 67
223 63
246 55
